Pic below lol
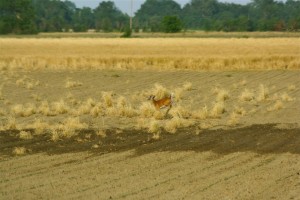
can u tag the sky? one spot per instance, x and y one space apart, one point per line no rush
124 5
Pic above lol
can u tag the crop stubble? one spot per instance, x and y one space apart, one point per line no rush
238 154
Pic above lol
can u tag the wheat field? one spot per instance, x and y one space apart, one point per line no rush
75 122
151 53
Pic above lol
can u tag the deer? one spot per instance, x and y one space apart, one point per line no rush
166 102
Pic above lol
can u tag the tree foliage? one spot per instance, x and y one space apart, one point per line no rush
108 17
17 17
149 17
31 16
171 24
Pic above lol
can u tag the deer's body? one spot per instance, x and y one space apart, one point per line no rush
166 102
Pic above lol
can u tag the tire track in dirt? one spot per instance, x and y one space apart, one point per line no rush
120 174
194 173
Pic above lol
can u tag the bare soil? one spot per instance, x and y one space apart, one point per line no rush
258 158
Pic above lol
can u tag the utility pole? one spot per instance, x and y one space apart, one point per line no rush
131 14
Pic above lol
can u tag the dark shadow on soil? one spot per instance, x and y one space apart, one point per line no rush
261 139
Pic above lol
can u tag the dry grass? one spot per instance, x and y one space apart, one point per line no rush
276 106
240 111
156 136
222 95
25 135
20 110
39 126
291 87
202 113
61 115
1 94
107 98
263 93
71 126
175 123
26 82
233 119
162 54
187 86
18 151
218 109
286 97
2 112
101 133
60 107
159 91
180 111
246 95
72 84
11 123
154 126
45 109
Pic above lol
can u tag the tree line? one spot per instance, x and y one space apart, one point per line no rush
33 16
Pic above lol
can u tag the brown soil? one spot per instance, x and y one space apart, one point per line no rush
258 158
256 162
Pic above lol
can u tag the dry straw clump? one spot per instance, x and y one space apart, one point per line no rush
286 97
240 111
233 119
40 127
10 124
276 106
154 126
124 108
45 109
218 109
108 99
96 110
72 84
221 94
156 136
187 86
101 133
180 111
247 95
263 93
24 111
147 110
159 91
25 135
203 113
27 82
60 107
119 108
1 95
68 128
71 126
291 87
18 151
2 112
172 125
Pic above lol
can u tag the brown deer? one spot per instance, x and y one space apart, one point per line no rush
166 102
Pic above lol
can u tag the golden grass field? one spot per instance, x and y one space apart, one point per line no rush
151 53
75 122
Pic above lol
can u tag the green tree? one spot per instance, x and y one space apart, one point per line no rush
53 15
171 24
152 12
108 17
199 13
83 19
17 17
